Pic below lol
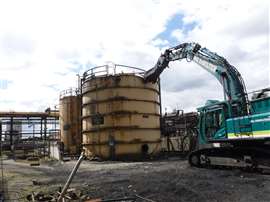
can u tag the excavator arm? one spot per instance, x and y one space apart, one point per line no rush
227 75
179 52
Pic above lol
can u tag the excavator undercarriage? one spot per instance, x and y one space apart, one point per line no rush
247 156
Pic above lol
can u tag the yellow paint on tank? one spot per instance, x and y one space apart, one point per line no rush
70 124
120 116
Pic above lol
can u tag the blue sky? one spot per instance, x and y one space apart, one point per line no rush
175 23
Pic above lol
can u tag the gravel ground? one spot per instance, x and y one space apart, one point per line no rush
165 180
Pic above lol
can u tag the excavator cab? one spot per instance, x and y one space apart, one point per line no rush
212 122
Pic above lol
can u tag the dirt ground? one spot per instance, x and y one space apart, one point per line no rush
166 180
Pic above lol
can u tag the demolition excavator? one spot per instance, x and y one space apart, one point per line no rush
236 128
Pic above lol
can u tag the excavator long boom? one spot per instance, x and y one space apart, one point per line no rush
218 66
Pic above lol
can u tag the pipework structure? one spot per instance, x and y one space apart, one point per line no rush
25 133
179 131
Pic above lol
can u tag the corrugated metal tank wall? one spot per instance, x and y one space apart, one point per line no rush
70 123
120 116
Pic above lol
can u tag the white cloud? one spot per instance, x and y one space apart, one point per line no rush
160 42
178 34
41 42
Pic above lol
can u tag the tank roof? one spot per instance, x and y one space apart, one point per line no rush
112 70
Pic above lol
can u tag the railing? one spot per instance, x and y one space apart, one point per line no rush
111 69
69 92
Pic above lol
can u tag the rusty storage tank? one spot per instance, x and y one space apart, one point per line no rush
70 121
120 113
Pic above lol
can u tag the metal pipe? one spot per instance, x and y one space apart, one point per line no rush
45 135
143 198
131 199
11 136
72 174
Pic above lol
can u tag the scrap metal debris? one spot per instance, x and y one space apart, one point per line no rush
36 197
71 195
76 195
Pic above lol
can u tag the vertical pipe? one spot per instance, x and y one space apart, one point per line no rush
34 137
11 136
45 135
41 128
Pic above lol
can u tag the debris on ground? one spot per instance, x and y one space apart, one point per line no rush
165 180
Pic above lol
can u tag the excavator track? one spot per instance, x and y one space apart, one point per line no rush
248 159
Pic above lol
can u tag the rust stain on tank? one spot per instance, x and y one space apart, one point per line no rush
128 107
70 112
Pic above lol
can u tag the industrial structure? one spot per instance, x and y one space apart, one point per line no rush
120 113
25 134
70 122
179 131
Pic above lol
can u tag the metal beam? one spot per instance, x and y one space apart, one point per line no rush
29 114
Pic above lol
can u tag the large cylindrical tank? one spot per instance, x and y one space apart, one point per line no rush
120 115
70 121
